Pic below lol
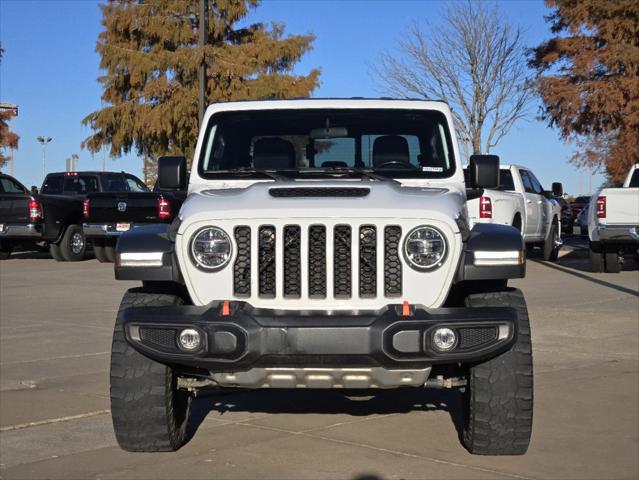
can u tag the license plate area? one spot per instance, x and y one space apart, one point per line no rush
122 227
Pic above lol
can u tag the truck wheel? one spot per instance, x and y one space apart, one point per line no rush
149 413
5 253
552 244
612 262
54 251
499 394
73 245
98 251
109 253
596 262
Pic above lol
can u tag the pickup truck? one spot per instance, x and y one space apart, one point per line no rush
324 243
108 214
613 224
20 216
522 202
62 196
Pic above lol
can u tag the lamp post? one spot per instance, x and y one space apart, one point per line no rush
44 141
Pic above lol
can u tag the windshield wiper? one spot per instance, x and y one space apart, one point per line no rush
266 173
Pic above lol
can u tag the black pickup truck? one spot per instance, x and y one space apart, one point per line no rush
21 216
108 215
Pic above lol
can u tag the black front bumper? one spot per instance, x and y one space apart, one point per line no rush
249 337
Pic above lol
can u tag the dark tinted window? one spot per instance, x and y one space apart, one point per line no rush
115 183
634 180
535 183
525 178
9 186
506 182
135 185
53 184
582 200
80 184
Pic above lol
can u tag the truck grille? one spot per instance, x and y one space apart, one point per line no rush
298 254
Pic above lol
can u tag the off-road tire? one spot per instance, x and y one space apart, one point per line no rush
54 251
68 248
149 413
499 394
551 251
612 263
596 261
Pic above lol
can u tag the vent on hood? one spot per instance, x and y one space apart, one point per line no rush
319 192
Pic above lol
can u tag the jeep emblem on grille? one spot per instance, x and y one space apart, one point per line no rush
122 206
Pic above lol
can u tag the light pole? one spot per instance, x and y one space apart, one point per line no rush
44 141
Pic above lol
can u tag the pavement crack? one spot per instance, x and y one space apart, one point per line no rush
49 421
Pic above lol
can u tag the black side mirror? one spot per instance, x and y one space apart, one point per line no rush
171 173
484 171
557 189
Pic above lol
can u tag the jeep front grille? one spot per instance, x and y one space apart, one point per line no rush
292 261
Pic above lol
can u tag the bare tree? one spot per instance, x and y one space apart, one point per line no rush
474 59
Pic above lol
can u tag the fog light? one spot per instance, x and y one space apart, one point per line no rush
190 339
444 339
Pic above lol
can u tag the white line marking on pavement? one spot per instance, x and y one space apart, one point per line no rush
48 421
62 357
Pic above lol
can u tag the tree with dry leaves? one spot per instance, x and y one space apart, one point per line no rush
8 139
588 79
474 59
150 54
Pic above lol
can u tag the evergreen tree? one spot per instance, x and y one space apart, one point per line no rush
588 79
149 51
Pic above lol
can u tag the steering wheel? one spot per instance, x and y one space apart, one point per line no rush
395 163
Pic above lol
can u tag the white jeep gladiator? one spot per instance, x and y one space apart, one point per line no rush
323 244
613 224
522 202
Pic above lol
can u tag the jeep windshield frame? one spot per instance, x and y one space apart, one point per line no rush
341 143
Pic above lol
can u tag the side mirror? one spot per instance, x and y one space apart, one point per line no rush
34 190
557 189
484 171
171 173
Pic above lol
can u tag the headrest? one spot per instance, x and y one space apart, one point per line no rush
273 153
390 148
334 164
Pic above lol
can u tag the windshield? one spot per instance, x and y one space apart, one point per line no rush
393 143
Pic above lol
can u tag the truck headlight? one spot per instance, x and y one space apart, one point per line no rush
210 248
425 248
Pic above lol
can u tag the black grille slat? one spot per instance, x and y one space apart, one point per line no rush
242 266
319 192
292 261
470 337
317 261
367 261
165 338
266 249
392 262
342 261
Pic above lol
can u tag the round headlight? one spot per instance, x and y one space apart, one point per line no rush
425 248
210 248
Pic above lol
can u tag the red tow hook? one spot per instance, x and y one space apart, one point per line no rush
406 310
226 308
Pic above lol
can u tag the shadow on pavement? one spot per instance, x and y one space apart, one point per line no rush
329 402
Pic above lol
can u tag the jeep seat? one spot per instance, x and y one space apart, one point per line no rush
273 153
390 148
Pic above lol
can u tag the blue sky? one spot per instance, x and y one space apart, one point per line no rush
50 69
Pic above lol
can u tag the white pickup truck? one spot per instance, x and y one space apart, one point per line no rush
613 224
522 202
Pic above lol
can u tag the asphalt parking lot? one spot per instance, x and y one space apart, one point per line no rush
55 332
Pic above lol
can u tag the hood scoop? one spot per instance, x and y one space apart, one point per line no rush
305 192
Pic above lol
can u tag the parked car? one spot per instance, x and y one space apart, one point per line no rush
582 220
20 216
567 222
578 204
108 214
62 196
321 245
613 224
522 202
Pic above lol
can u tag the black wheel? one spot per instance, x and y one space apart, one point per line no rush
149 413
596 262
98 251
499 394
612 262
73 245
552 244
5 253
54 251
109 253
